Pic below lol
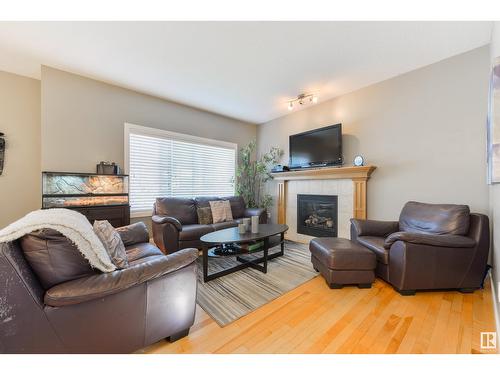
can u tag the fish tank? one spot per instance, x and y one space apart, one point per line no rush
68 190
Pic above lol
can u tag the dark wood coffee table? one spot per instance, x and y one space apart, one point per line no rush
232 236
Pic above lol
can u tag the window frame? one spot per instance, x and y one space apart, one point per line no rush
130 128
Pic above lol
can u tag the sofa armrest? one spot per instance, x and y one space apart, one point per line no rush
104 284
373 227
133 233
166 233
418 267
443 240
159 219
260 212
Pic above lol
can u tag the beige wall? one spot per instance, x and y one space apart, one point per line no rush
495 201
424 130
82 121
20 121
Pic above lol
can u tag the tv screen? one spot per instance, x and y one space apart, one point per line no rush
317 147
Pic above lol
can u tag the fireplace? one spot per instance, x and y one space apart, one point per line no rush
317 215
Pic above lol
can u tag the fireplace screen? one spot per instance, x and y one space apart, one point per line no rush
317 215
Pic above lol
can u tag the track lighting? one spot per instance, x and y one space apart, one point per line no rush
302 99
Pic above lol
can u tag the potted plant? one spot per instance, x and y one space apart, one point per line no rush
252 174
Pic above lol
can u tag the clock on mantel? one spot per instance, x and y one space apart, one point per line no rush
358 161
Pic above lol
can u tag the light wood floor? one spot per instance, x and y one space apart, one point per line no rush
315 319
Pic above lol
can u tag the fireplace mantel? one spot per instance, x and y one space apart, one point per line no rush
325 173
358 175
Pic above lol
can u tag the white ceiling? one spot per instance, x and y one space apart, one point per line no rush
245 70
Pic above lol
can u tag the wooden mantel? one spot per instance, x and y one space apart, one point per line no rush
358 175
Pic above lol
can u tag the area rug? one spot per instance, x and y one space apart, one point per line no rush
230 297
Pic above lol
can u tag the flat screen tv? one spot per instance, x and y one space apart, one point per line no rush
316 148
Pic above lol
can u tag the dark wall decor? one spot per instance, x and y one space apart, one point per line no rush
2 151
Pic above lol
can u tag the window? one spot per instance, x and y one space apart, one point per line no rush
166 164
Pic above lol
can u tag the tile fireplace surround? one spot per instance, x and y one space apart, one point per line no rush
348 183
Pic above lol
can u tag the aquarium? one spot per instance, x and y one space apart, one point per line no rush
83 190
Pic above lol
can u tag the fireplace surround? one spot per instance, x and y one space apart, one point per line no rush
348 183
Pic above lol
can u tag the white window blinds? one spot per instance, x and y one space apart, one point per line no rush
170 165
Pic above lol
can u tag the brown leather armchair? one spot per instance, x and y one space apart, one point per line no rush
51 301
432 246
175 220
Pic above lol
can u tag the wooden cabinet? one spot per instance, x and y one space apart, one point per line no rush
118 216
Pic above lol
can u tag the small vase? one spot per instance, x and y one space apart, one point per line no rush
255 224
246 222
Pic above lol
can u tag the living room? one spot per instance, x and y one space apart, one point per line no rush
337 197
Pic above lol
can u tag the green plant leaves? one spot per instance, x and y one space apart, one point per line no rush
252 173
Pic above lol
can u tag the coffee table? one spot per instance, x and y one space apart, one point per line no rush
268 233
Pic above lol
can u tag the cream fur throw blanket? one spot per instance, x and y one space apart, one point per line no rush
69 223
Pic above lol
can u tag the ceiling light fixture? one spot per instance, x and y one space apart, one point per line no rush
302 99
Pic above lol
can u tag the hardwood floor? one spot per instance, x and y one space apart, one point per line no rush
315 319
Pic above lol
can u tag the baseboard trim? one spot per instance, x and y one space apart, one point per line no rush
494 292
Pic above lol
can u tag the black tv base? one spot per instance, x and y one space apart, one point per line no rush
316 166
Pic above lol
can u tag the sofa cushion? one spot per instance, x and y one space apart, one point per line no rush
112 242
197 244
140 251
443 240
203 201
376 244
54 258
194 231
134 233
225 225
237 205
434 218
183 209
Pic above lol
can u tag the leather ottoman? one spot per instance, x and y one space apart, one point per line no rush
343 262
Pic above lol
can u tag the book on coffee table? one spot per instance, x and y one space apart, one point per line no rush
251 247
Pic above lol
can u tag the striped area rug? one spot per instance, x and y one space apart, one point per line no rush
232 296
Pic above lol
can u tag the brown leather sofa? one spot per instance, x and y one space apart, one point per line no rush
432 246
176 226
52 301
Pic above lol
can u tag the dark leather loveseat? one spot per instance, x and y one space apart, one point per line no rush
176 226
68 307
432 246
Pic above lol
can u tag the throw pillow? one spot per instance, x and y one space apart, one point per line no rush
112 242
221 211
204 215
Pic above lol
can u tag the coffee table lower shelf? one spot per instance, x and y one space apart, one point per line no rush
269 243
